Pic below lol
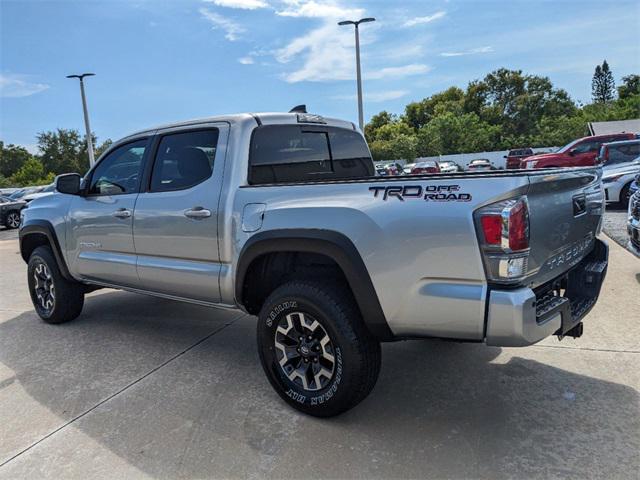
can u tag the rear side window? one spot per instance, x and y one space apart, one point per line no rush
623 153
184 160
295 153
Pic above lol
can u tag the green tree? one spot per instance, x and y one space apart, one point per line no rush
32 173
449 133
64 151
515 101
400 147
602 84
12 157
418 114
630 86
377 121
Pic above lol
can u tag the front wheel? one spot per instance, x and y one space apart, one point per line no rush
12 220
55 299
315 349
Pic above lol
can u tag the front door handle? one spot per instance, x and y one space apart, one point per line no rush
122 213
197 212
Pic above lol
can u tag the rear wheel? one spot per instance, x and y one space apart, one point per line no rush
315 349
55 299
12 220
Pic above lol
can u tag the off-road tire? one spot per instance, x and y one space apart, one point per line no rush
68 297
355 351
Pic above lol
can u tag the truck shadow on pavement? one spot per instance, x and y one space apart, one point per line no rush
440 409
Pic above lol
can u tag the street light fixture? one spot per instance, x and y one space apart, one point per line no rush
358 74
86 114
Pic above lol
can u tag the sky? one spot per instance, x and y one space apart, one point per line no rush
163 61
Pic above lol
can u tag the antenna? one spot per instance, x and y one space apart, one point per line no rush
299 109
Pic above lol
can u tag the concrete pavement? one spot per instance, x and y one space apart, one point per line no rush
140 387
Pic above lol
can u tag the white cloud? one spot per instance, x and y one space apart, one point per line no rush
376 96
481 50
246 60
15 86
472 51
399 72
242 4
422 20
316 9
232 29
328 55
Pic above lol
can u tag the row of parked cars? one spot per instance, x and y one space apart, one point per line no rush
12 201
619 155
433 166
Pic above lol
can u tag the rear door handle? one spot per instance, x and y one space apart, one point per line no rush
197 212
122 213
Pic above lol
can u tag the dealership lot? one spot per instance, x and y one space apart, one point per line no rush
142 387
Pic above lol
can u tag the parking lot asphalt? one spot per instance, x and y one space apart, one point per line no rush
140 387
614 224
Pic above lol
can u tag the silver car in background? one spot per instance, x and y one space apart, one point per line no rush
620 164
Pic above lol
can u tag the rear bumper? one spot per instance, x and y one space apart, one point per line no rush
521 317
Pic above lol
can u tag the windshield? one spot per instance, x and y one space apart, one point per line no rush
568 146
18 194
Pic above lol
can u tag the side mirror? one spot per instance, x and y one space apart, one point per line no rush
68 183
572 152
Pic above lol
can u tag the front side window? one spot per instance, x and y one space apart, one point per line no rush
585 147
119 172
184 160
296 153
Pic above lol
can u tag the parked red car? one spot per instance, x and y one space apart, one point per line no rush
579 153
515 157
428 166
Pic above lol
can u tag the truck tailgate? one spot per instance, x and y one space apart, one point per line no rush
565 213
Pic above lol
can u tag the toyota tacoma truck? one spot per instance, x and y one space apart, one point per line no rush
281 215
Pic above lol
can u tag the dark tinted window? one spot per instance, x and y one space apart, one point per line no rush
350 155
184 160
588 146
119 171
293 153
623 153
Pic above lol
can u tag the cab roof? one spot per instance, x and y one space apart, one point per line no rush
266 118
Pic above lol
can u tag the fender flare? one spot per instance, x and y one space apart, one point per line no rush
331 244
44 227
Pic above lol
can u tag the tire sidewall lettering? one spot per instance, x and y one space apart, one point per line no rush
297 395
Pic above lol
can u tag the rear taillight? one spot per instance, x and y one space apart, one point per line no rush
492 228
504 239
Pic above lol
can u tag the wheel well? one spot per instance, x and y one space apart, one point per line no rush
269 271
32 241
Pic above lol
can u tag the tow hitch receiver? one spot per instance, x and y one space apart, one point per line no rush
575 332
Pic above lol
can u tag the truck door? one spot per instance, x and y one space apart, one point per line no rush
175 225
100 224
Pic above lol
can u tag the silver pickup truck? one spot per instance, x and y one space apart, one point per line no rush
281 215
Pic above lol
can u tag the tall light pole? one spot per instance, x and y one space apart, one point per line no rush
358 74
86 114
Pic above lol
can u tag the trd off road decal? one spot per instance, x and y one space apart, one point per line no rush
429 193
